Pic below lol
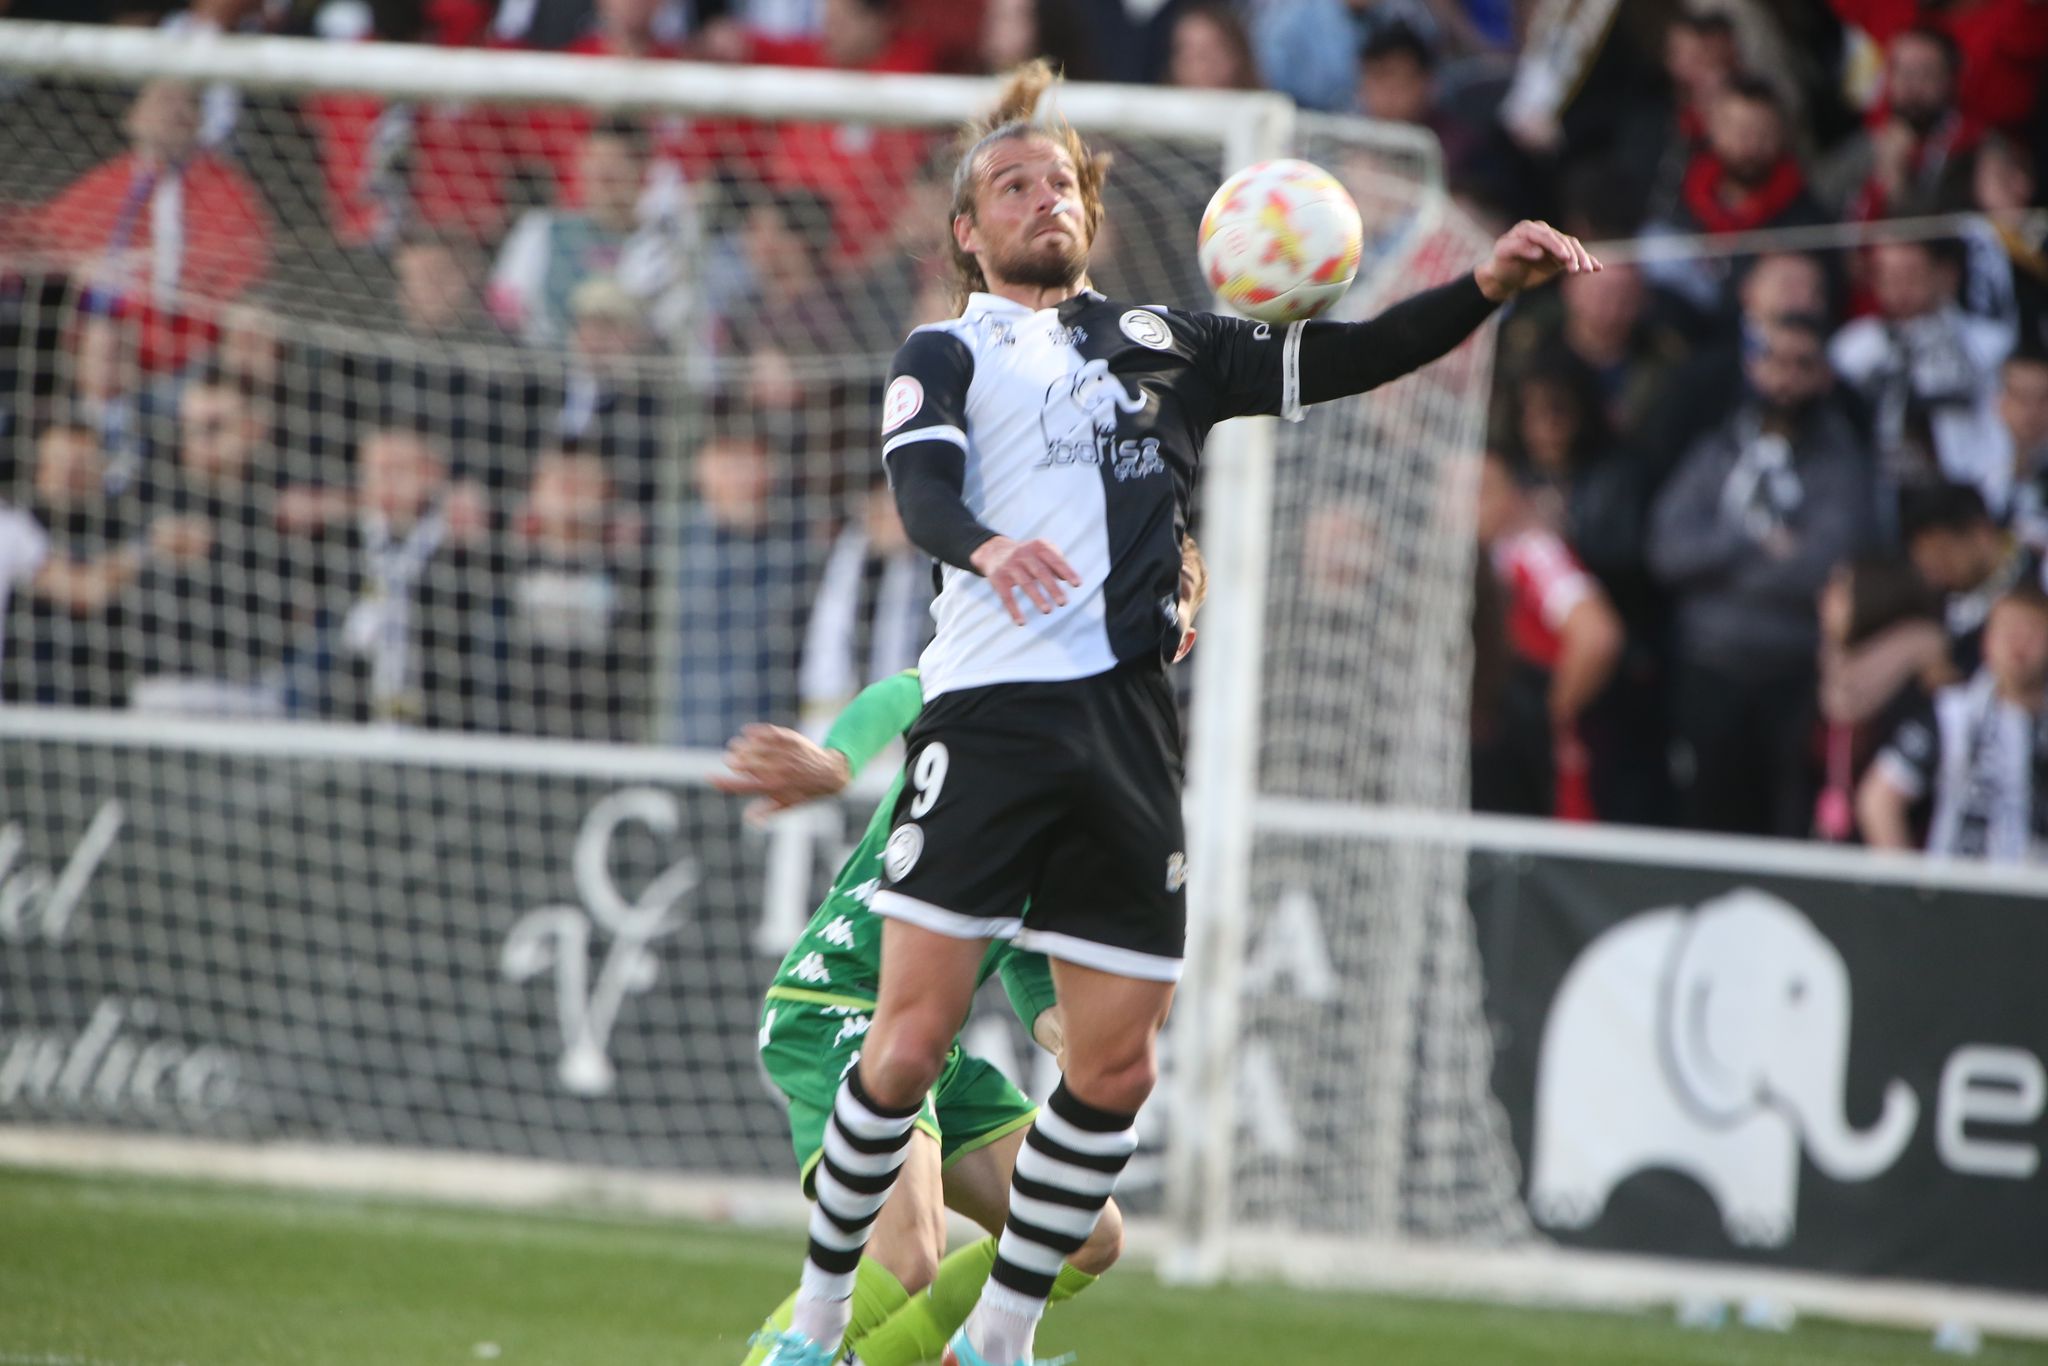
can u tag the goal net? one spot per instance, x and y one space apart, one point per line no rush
397 423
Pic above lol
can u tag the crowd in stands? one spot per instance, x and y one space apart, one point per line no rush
581 448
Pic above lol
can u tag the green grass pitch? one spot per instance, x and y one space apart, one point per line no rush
118 1272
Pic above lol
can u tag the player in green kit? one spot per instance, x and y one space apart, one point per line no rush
909 1298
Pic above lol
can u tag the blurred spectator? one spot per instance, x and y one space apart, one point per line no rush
1564 640
550 252
609 403
2023 419
23 549
1896 166
859 168
1396 73
795 302
1308 50
1582 483
1603 321
1928 372
1701 56
162 234
107 393
1015 31
871 615
1978 751
746 573
649 29
217 619
2004 48
1745 178
575 629
415 590
1758 512
546 24
1209 49
1701 392
1962 553
1883 653
66 628
222 103
437 294
2006 280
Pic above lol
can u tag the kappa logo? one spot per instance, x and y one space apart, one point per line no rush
1079 417
1176 871
904 848
1713 1042
901 403
1146 329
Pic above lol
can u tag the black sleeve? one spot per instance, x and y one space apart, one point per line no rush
1275 370
924 445
1349 358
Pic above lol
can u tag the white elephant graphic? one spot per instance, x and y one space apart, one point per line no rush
1710 1042
1078 419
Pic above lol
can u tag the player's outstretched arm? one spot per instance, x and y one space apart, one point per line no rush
1339 359
784 768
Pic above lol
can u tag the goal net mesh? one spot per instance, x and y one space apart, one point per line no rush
540 423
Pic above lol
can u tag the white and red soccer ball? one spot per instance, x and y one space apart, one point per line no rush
1280 241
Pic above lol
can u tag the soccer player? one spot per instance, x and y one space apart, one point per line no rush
1043 447
970 1126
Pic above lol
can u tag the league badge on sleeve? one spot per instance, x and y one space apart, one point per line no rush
901 403
1146 329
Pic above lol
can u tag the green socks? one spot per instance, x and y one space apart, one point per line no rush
918 1332
877 1298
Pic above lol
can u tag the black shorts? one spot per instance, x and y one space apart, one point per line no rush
1047 813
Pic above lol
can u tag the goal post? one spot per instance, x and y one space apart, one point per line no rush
1332 977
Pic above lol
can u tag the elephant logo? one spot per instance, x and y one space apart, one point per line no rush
1078 419
1712 1042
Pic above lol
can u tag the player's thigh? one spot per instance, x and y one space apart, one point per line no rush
909 1235
1112 1025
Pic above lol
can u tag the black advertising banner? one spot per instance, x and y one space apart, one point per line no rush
1772 1070
462 957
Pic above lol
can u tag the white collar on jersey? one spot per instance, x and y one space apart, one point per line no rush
996 303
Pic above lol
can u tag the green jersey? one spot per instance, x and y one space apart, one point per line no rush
837 960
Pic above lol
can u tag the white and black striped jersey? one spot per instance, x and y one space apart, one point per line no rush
1082 424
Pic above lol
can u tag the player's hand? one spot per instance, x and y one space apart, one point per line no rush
781 768
1530 254
1035 568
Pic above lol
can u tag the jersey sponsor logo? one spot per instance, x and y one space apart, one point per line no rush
901 853
901 403
1066 336
1146 329
1078 418
1176 871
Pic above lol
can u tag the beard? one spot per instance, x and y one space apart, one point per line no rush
1749 172
1053 264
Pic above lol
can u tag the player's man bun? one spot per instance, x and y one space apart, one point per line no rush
1016 115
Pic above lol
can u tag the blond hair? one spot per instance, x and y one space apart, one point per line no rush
1194 574
1015 116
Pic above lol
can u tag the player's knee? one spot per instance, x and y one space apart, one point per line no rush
1119 1084
899 1067
1104 1246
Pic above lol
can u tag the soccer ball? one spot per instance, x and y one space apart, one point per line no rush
1280 241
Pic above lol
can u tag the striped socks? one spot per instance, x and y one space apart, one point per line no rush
865 1145
1065 1173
